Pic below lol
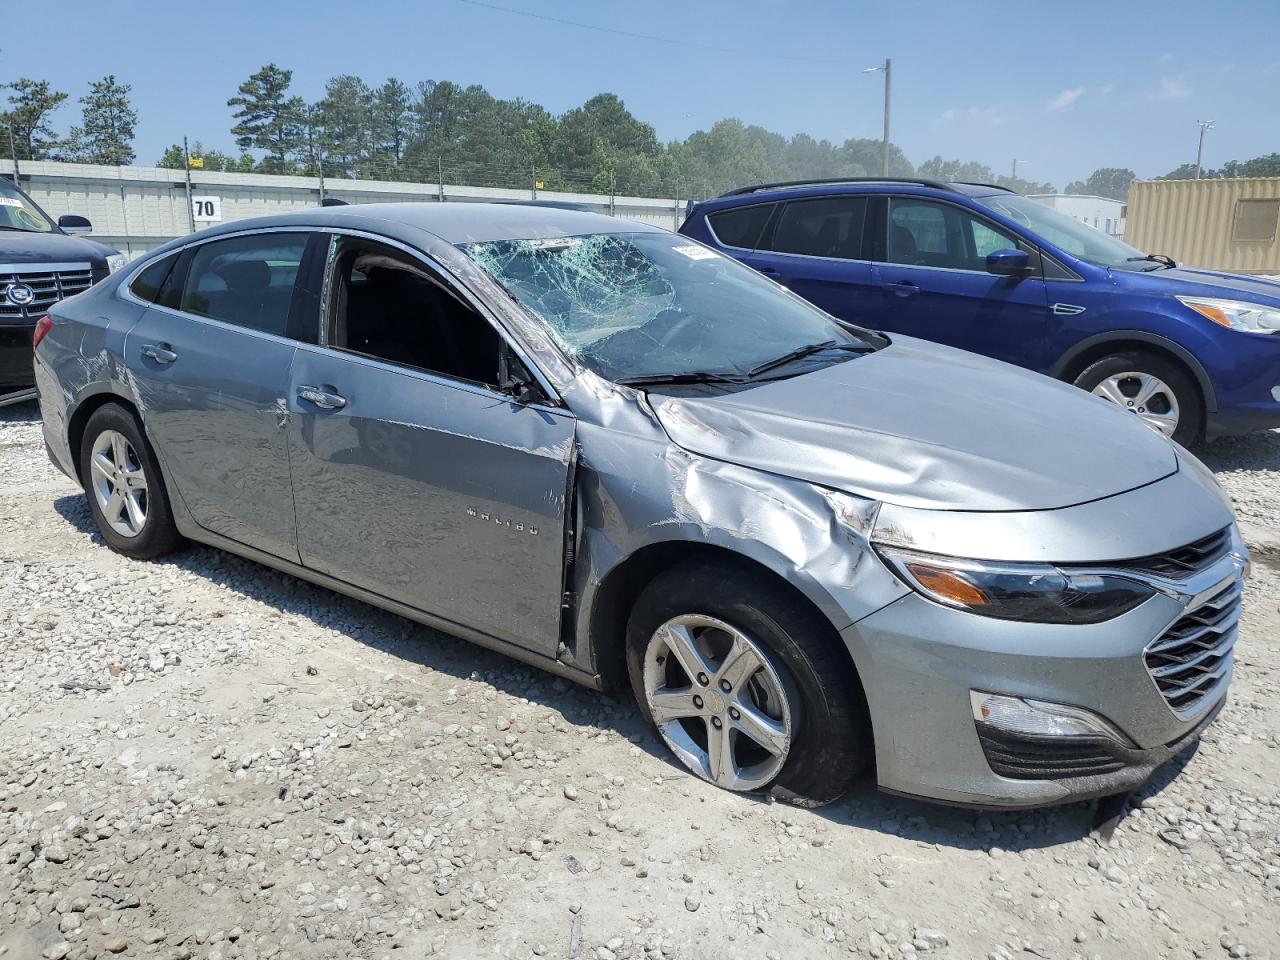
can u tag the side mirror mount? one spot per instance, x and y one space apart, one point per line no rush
513 379
74 223
1009 263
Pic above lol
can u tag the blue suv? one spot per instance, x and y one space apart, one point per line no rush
1195 353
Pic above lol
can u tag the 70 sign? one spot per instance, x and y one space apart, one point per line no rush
206 209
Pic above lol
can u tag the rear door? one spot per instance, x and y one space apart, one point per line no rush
210 367
816 248
934 284
415 475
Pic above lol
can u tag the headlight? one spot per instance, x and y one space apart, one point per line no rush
116 261
1236 314
1034 592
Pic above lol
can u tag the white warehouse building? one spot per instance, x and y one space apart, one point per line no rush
1102 212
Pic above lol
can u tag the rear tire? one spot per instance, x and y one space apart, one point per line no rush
124 487
1153 387
800 692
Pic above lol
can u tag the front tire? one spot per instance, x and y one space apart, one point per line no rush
122 482
1158 390
747 684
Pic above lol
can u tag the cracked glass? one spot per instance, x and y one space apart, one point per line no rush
653 304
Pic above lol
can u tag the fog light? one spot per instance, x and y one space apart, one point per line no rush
1036 718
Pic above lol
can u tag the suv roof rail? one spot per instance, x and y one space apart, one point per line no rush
993 186
919 181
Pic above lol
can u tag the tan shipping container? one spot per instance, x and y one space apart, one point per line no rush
1231 225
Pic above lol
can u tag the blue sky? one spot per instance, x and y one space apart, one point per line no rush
1067 87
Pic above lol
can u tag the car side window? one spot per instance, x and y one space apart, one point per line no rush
148 284
741 226
248 281
391 307
930 234
824 227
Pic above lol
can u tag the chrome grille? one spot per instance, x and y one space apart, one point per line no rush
49 287
1186 560
1191 658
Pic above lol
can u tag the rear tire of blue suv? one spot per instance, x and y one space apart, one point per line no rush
1123 378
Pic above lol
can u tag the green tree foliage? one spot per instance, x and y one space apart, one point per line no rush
213 159
106 132
1110 182
30 104
962 171
269 119
1267 165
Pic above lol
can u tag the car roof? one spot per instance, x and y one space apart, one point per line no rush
769 192
458 221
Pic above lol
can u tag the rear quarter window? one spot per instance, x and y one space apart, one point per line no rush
148 284
740 226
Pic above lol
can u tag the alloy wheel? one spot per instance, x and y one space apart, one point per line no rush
718 701
119 483
1144 395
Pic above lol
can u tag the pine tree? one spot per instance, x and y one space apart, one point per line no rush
269 119
30 104
107 132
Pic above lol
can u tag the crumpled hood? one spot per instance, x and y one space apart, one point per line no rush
927 426
23 246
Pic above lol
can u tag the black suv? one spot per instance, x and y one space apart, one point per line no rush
40 264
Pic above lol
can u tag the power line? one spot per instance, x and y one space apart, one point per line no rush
651 37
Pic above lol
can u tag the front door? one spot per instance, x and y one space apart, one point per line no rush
415 476
815 247
211 374
934 284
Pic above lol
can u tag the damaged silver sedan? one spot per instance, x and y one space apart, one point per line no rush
607 450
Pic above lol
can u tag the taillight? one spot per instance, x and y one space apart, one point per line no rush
43 326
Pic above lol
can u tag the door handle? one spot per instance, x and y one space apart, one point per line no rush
321 398
905 288
159 352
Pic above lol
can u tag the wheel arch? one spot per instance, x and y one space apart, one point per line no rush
614 598
85 408
1092 349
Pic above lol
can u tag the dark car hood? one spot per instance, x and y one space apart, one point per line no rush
922 425
1231 286
21 246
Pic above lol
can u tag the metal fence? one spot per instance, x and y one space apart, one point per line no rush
135 209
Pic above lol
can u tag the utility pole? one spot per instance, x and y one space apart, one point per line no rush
534 171
1204 125
186 163
440 179
1014 174
887 69
13 152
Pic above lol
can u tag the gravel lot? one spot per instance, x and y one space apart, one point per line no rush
204 758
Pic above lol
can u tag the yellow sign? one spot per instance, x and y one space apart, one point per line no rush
195 163
538 185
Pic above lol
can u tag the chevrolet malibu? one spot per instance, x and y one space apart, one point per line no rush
605 449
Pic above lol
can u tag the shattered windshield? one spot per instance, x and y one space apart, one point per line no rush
639 305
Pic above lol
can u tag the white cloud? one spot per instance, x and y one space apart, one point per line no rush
1066 98
972 116
1172 88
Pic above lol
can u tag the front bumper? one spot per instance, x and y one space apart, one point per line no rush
920 662
16 356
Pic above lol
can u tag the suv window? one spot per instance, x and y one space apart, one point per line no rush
825 227
248 281
390 307
930 234
741 226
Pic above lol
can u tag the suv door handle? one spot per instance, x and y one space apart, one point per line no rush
321 398
159 352
904 288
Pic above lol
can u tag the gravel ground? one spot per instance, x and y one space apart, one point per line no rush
201 758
